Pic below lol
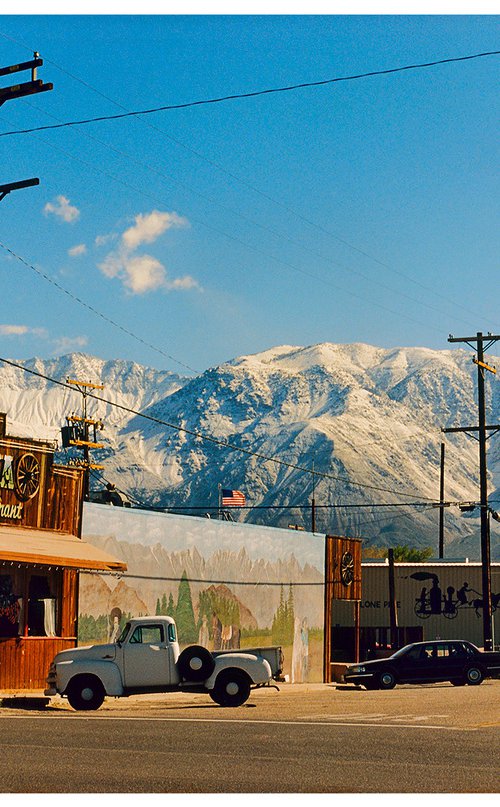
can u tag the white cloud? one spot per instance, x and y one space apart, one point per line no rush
181 283
21 330
149 227
63 209
77 250
144 273
102 240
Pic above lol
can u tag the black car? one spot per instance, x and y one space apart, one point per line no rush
457 661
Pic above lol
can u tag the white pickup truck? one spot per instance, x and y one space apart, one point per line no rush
146 658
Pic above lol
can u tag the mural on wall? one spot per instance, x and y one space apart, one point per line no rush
432 599
227 585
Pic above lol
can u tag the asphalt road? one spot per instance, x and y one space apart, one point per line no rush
314 739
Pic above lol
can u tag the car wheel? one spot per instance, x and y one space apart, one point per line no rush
195 663
232 688
387 680
474 676
86 693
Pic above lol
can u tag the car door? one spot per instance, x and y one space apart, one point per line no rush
146 657
415 666
447 661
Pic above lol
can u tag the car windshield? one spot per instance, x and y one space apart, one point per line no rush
121 637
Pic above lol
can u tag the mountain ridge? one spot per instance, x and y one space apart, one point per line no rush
358 425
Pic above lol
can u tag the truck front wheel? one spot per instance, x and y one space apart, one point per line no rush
85 693
232 688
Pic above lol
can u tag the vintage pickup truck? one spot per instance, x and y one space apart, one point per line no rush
146 658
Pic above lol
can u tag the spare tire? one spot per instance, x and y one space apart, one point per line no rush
195 663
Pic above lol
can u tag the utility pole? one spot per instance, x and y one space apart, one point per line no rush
313 502
479 342
81 432
441 505
20 91
393 609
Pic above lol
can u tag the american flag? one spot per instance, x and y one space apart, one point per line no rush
233 498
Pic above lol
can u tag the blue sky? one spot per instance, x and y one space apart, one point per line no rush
360 211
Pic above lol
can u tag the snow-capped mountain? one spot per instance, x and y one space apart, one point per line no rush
358 426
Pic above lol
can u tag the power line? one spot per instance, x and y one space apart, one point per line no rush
257 224
238 179
253 94
334 263
207 438
245 183
91 308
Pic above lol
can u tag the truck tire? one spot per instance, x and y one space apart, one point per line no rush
85 693
232 688
195 663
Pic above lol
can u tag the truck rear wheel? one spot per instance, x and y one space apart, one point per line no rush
85 693
232 688
195 663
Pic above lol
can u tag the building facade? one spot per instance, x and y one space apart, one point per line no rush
41 555
439 599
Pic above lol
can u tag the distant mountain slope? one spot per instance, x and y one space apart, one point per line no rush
366 420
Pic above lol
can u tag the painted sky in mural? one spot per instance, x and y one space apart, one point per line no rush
207 535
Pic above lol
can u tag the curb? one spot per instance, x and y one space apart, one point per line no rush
24 702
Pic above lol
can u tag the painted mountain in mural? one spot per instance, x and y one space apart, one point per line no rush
368 422
159 571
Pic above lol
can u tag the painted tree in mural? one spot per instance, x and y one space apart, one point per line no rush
184 613
163 608
283 620
171 606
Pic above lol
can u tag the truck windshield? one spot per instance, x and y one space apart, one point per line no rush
121 637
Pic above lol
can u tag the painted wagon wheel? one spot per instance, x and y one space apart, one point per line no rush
347 568
27 476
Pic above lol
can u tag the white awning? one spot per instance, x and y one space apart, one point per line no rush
49 548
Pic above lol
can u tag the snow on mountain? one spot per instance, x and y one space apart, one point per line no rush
367 421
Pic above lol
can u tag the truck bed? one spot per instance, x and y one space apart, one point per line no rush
272 654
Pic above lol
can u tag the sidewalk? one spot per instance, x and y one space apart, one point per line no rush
35 699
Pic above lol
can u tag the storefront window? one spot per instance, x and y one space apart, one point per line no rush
29 602
42 605
10 606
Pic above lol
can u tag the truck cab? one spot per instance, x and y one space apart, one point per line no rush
147 654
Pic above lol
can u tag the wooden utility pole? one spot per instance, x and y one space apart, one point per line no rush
313 502
19 91
479 342
393 610
441 506
81 432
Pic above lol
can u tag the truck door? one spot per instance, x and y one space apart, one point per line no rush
147 657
